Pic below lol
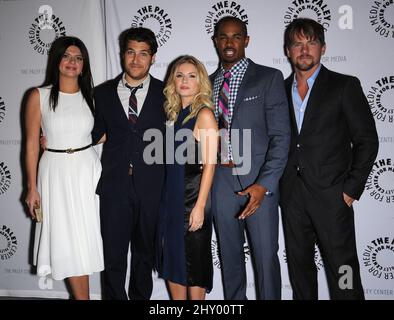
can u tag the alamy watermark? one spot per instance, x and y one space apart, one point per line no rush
161 148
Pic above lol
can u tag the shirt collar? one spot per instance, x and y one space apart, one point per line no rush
145 83
311 79
238 67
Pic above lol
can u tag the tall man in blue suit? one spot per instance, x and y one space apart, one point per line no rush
129 188
250 99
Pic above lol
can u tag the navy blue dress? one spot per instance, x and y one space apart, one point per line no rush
184 257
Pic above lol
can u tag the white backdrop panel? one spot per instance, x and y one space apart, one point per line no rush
359 42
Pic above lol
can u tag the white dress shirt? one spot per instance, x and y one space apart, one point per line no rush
124 94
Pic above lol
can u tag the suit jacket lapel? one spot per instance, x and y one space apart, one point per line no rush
148 101
118 107
247 81
289 92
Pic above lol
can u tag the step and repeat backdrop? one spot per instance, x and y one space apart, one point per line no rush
360 41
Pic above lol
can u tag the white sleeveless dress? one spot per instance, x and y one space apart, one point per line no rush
68 241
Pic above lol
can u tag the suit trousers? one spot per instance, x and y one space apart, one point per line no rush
262 230
309 220
128 222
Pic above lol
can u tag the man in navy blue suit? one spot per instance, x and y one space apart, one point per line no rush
129 188
249 98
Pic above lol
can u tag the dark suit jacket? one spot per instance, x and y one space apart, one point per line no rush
338 143
125 143
261 106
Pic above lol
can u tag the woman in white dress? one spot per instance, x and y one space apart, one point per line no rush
68 243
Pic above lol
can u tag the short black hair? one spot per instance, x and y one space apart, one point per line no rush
228 19
309 28
139 34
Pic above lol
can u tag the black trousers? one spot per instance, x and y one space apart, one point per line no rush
128 221
309 219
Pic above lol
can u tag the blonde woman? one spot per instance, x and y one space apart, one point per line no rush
185 223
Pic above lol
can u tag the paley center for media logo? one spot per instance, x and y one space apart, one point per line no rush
8 243
215 251
381 17
2 110
380 98
380 182
5 178
222 9
315 9
156 19
46 28
378 258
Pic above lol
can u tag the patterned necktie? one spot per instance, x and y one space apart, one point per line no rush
223 99
224 96
133 110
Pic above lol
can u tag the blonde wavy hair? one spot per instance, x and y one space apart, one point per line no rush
203 98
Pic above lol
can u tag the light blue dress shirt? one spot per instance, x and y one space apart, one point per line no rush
299 104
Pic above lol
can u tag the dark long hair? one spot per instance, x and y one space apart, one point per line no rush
85 80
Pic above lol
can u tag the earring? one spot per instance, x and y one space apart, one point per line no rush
80 74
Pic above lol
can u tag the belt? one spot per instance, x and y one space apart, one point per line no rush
70 150
230 164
